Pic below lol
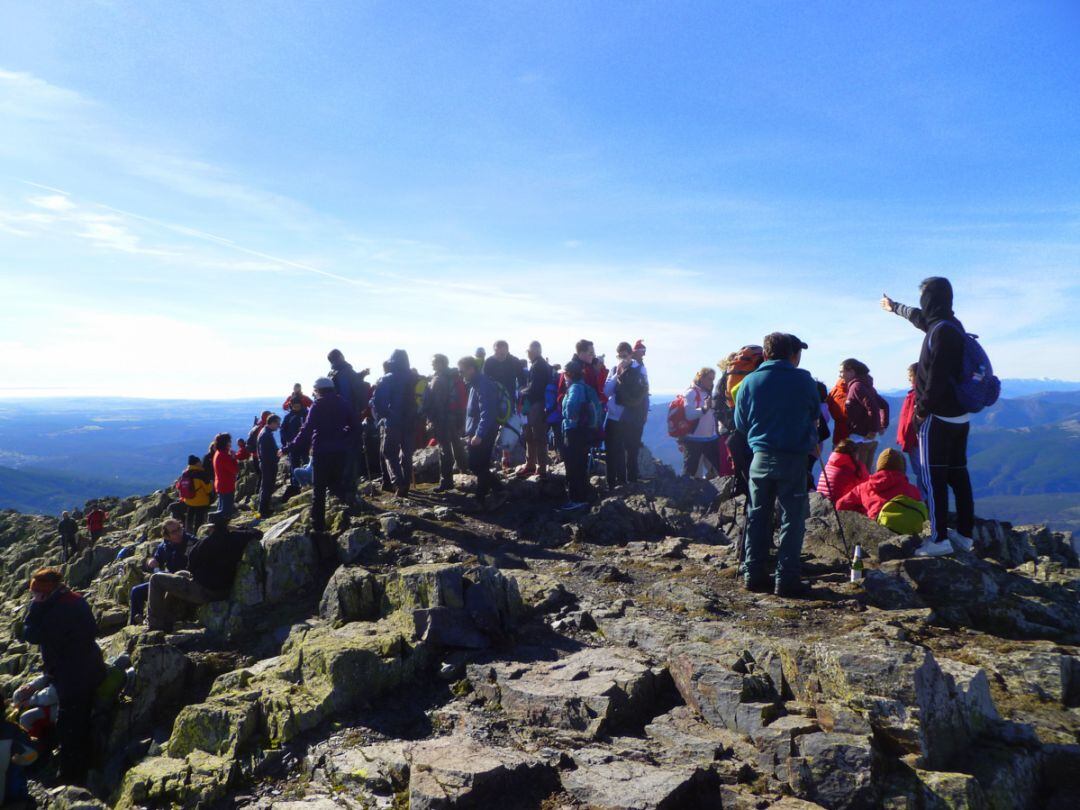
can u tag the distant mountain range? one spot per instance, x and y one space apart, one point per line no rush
57 453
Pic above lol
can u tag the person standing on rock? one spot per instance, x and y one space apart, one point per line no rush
326 431
353 388
297 394
226 468
394 406
445 407
211 569
627 391
534 395
95 524
68 530
290 427
268 467
582 419
62 624
907 432
481 430
866 412
777 409
171 555
195 492
943 422
507 371
703 442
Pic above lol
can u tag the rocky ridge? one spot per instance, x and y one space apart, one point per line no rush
425 655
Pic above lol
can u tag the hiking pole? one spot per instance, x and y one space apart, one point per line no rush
839 525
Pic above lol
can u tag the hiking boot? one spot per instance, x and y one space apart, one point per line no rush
444 486
760 584
960 542
524 472
402 492
934 548
792 589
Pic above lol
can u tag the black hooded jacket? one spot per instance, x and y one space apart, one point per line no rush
942 355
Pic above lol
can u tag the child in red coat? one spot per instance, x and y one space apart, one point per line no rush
843 472
889 481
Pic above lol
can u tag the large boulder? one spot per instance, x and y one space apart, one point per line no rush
604 781
426 465
592 691
290 562
351 594
835 770
725 685
457 771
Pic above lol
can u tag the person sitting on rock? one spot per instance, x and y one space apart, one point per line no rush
62 624
481 430
268 466
326 431
20 753
777 409
890 481
68 530
171 555
212 562
843 472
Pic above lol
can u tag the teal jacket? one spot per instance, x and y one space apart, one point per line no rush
777 409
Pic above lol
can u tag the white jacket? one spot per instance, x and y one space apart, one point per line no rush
696 399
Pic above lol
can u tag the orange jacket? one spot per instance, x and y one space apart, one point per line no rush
838 411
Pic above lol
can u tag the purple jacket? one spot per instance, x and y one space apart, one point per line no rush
866 411
328 426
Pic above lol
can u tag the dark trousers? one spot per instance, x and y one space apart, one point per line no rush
694 452
137 601
297 458
577 464
328 473
95 535
69 545
943 457
451 450
614 452
536 454
268 481
631 426
480 466
75 735
258 473
397 451
195 517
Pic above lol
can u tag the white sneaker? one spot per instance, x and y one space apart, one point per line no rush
960 542
931 548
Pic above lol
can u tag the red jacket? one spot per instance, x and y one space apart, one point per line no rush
844 474
594 375
95 521
287 404
838 411
907 432
869 496
225 468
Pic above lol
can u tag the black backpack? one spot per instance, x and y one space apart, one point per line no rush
631 388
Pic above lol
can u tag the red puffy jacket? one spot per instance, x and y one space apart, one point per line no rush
225 469
869 496
95 521
907 432
843 473
594 376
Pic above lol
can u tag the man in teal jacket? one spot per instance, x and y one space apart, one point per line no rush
777 409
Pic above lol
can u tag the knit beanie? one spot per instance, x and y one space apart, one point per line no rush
45 581
891 460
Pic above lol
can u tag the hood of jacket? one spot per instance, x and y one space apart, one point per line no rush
842 461
886 481
936 301
399 361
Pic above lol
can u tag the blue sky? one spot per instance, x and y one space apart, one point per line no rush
203 198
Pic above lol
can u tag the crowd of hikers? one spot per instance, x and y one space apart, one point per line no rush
761 423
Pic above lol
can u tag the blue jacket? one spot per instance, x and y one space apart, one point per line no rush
480 417
394 403
777 409
173 557
327 427
268 446
63 625
580 397
291 424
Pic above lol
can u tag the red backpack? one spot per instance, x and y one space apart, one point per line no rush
678 426
185 485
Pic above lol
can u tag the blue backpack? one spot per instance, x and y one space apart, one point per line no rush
551 400
977 387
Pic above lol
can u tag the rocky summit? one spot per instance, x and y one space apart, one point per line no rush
424 655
